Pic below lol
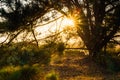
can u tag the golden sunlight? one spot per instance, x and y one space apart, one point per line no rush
68 22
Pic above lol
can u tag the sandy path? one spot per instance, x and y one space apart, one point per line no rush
79 67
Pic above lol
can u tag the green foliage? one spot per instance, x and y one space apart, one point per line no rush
21 14
55 47
61 47
24 73
23 53
15 75
108 61
51 76
4 75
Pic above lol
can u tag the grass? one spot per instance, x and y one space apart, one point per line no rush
71 67
78 67
20 73
29 62
52 76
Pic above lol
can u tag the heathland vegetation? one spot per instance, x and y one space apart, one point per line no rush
27 52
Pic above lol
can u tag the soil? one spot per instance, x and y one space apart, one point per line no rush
78 66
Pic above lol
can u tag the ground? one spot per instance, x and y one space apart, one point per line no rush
77 66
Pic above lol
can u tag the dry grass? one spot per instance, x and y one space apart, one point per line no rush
79 67
70 66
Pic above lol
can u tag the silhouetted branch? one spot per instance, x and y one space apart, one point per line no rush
50 21
34 37
47 37
14 36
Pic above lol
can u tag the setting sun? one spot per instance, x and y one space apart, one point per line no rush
68 22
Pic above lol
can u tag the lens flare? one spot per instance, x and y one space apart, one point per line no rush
68 22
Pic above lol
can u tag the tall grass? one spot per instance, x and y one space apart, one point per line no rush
109 59
23 73
52 76
22 54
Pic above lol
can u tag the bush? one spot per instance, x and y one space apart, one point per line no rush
23 53
51 76
108 61
4 75
24 73
41 57
60 48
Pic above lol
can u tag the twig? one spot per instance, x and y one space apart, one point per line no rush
14 36
50 21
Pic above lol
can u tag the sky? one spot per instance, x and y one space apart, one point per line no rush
42 31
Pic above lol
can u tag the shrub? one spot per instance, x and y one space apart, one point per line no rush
20 73
4 75
15 75
60 48
23 53
25 73
108 61
41 57
51 76
55 47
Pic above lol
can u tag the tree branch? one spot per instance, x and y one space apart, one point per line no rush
50 21
14 37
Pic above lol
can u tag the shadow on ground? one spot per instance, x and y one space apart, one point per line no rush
80 67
